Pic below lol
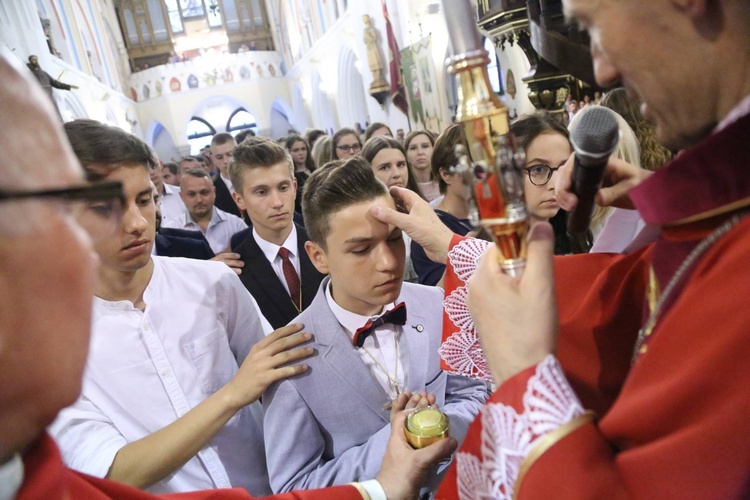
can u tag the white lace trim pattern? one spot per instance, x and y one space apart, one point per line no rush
461 351
507 437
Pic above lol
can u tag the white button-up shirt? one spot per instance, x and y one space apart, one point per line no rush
379 347
172 206
228 182
147 368
271 251
11 477
221 227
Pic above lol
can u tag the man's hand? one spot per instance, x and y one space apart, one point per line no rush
232 260
619 178
409 401
404 469
516 319
265 364
419 221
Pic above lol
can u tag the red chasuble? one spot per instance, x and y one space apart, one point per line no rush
46 477
673 423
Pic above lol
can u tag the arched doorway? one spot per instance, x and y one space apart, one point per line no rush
219 113
161 141
199 133
70 106
281 118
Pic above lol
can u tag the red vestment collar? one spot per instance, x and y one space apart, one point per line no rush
710 178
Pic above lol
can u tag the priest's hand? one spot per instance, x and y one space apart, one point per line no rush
619 178
418 219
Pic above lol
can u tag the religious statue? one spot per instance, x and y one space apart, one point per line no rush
374 57
46 81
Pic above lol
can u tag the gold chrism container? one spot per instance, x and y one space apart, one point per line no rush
425 426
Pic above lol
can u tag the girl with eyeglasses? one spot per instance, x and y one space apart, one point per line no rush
346 144
545 140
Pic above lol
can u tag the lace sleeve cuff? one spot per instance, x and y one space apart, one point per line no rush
511 441
460 352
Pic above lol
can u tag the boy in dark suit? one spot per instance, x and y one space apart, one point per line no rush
277 271
222 146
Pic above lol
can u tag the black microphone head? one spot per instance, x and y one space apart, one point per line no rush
595 135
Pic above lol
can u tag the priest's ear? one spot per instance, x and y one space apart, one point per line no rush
694 8
318 256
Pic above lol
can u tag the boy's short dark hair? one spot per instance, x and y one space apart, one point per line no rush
220 139
335 186
313 136
256 152
373 127
240 137
172 167
102 148
198 173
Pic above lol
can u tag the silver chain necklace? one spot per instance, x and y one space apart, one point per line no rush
686 264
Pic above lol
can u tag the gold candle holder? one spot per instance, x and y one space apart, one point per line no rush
425 426
491 164
510 238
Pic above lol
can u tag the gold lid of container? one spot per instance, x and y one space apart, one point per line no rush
425 426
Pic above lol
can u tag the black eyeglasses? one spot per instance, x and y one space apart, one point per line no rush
355 147
539 175
97 208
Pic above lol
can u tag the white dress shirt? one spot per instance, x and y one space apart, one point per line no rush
147 368
620 229
172 206
271 251
379 346
221 227
228 182
11 477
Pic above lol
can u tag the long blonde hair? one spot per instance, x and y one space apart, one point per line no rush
653 154
627 150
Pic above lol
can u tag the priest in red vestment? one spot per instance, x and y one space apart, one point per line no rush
622 376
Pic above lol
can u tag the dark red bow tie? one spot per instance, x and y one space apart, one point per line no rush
396 316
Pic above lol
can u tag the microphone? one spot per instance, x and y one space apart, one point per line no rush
594 138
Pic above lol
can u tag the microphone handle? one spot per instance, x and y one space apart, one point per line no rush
586 181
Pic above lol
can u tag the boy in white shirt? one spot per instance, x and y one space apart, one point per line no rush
178 353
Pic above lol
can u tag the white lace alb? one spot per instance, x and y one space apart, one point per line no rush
461 351
507 437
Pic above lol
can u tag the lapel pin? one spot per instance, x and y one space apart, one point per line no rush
418 328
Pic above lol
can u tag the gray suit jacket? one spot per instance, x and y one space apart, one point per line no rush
328 426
